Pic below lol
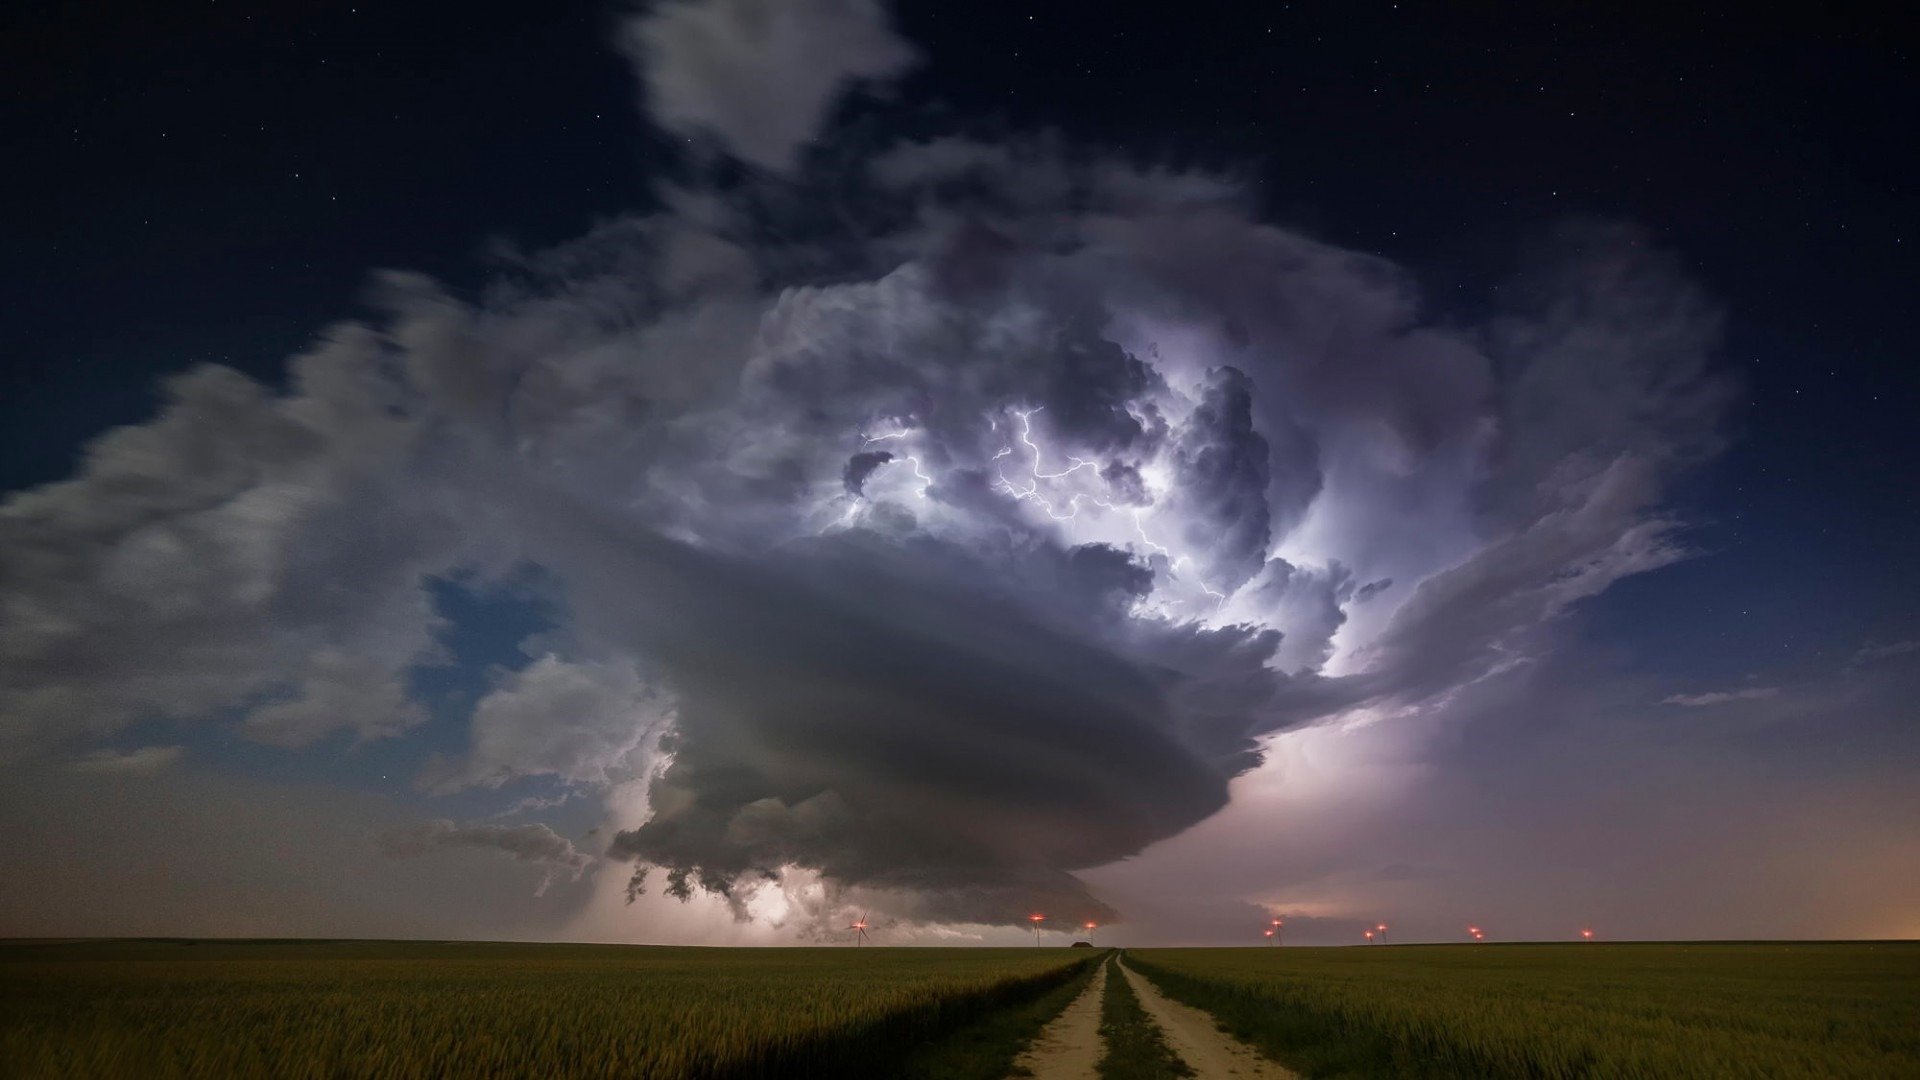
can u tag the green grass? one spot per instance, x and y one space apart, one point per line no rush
1135 1049
403 1009
1786 1009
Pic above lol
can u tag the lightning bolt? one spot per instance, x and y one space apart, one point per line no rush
919 473
1218 596
925 480
1031 491
1026 436
1147 540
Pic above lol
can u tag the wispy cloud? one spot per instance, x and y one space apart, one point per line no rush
759 77
528 843
1721 697
1880 652
141 760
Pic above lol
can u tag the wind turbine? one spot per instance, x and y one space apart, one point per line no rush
1279 930
859 929
1036 919
1478 935
1382 930
1586 935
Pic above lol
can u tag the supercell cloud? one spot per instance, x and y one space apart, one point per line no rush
944 552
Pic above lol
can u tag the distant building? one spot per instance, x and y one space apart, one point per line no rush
1081 945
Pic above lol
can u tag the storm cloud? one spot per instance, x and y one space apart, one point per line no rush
531 843
758 75
944 556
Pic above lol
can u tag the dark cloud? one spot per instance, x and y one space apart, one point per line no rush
860 466
914 718
530 843
944 558
1093 389
1221 467
1371 589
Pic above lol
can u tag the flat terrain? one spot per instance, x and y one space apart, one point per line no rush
404 1009
1195 1038
401 1009
1068 1048
1779 1009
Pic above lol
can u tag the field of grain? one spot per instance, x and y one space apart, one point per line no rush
1783 1009
393 1009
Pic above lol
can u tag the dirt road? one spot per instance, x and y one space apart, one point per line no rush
1069 1047
1198 1040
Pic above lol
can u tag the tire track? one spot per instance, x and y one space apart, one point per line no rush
1068 1048
1197 1038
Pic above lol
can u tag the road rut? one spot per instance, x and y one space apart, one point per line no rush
1198 1040
1068 1048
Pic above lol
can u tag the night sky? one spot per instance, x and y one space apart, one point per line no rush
1461 471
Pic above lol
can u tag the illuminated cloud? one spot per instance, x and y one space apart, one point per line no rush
584 723
945 557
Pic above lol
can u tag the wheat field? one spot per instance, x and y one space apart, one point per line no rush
404 1009
1779 1009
